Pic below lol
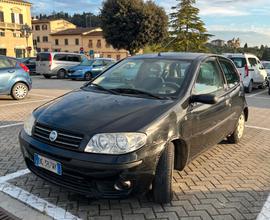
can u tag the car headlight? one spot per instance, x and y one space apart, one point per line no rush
115 143
29 124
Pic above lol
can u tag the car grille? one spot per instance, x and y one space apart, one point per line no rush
64 139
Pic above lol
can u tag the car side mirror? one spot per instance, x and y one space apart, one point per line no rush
261 68
205 99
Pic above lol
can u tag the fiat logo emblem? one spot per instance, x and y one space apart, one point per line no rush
53 136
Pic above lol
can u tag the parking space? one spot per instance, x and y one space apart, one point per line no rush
225 182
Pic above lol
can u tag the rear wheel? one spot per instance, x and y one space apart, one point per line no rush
87 76
162 184
239 130
47 76
19 91
61 74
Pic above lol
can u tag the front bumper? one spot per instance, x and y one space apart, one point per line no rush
89 177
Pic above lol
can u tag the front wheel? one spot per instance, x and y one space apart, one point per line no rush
61 74
239 130
162 184
19 91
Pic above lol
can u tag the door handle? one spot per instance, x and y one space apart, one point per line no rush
11 71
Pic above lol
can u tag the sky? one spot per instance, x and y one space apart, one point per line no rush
247 19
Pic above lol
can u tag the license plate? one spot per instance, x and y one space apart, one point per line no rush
48 164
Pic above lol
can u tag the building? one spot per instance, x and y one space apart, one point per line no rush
13 15
42 30
218 43
87 40
234 43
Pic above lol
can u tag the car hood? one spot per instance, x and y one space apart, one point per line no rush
79 67
91 112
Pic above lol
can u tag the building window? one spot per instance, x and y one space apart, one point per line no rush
17 34
107 45
118 57
2 16
99 44
45 39
35 42
37 27
56 42
38 39
109 56
19 53
2 33
16 18
66 41
44 27
20 18
3 51
90 44
77 41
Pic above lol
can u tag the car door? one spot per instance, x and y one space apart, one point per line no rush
7 70
208 123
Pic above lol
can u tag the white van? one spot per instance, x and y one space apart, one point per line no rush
251 69
51 64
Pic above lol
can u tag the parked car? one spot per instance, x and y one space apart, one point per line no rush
120 134
266 65
251 69
30 62
14 78
89 69
57 63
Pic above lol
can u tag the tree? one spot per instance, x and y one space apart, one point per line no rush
246 46
188 30
266 54
133 24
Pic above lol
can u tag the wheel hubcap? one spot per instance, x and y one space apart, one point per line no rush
21 91
241 126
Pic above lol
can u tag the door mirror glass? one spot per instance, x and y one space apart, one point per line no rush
204 99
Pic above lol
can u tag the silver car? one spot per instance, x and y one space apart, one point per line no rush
51 64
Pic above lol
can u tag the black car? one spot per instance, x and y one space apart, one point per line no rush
30 62
128 129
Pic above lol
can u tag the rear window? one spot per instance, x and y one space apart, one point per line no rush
43 57
252 61
239 61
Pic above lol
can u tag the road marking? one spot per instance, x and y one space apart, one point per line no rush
265 212
36 203
258 128
259 93
22 103
39 95
11 125
260 98
13 175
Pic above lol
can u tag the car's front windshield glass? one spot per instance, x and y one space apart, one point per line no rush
87 62
266 65
157 77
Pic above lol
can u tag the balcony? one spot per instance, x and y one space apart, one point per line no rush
11 26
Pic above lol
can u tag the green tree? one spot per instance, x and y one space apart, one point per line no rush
188 30
133 24
266 54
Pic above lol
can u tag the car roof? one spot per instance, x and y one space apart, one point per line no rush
243 55
176 55
61 53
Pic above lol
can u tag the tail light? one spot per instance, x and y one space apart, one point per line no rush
246 70
25 68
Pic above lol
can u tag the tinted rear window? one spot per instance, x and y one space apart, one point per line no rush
239 61
43 57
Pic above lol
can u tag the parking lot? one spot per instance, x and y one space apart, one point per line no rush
225 182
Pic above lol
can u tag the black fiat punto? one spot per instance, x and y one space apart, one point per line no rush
126 131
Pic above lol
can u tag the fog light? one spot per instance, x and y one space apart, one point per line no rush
122 185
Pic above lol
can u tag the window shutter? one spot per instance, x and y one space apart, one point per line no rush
21 18
13 18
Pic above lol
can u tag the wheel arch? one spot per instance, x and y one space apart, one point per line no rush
181 153
19 81
246 113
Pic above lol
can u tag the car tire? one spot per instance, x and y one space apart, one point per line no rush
61 74
250 87
87 76
19 91
47 76
238 133
269 91
162 184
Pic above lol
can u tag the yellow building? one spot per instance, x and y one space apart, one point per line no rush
88 40
13 15
43 28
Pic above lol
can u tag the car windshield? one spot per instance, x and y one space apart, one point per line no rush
152 77
239 61
87 62
266 65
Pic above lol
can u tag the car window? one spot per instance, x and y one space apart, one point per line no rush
231 75
98 63
108 62
60 57
43 57
210 80
239 61
252 61
6 63
74 58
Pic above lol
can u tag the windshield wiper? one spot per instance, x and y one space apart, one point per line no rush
136 91
103 89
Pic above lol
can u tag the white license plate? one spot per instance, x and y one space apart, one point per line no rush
48 164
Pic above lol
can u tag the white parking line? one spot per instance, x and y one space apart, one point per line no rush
265 212
22 103
11 125
13 175
255 94
258 128
40 95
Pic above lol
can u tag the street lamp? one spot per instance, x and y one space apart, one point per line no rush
26 32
